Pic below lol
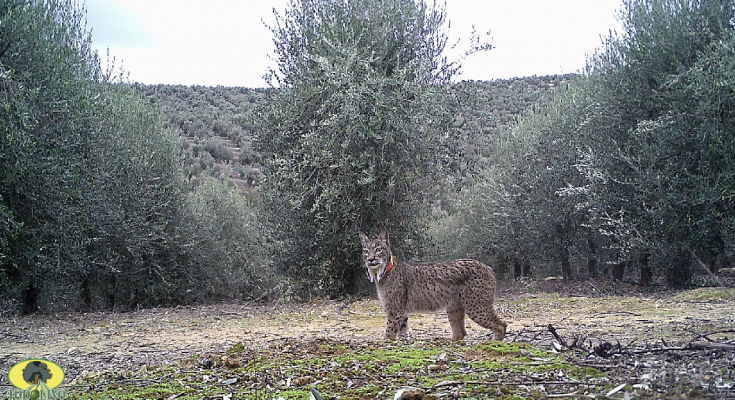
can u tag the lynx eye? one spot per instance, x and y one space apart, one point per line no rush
380 250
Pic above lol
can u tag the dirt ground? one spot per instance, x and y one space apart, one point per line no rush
658 338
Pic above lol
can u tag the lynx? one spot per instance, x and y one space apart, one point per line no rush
459 286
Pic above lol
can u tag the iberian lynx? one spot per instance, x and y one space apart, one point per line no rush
459 286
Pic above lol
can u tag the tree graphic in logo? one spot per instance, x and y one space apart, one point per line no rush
36 373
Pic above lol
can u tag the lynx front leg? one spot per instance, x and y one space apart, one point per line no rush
403 327
397 324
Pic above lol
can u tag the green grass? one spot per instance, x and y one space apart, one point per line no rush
708 294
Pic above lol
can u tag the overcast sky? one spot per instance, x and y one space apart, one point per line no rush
224 42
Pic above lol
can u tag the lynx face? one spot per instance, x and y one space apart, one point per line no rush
376 255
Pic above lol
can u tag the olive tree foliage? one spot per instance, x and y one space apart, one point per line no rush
358 131
226 244
632 159
91 192
94 212
514 216
37 127
660 135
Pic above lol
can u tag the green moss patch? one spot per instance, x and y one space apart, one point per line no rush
348 370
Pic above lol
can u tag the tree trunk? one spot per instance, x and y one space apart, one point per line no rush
517 272
86 295
592 261
619 271
30 299
718 262
566 267
646 273
526 269
349 278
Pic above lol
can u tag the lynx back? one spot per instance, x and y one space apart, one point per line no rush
460 286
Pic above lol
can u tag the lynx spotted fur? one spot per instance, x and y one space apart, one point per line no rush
459 286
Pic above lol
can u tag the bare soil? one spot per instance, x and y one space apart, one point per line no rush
666 339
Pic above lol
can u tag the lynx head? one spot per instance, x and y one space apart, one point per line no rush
376 255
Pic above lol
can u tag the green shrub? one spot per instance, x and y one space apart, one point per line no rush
218 149
228 245
248 155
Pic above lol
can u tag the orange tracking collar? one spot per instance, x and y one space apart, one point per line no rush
390 265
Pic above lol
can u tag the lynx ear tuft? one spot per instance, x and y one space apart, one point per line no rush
363 238
384 236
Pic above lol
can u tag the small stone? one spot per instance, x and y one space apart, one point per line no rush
413 393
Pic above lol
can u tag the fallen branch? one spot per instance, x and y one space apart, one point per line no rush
268 292
526 332
556 335
578 396
607 349
589 396
616 389
517 334
577 343
538 333
234 313
707 334
616 312
711 346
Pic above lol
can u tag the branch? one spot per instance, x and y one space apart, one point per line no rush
690 347
705 267
556 335
707 334
577 343
269 291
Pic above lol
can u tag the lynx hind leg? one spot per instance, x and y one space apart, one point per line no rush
478 304
455 312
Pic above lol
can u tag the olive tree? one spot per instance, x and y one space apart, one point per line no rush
91 192
633 158
516 214
659 135
360 127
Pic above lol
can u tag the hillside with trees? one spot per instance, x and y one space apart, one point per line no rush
207 116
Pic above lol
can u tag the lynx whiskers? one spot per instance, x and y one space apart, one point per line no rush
460 286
